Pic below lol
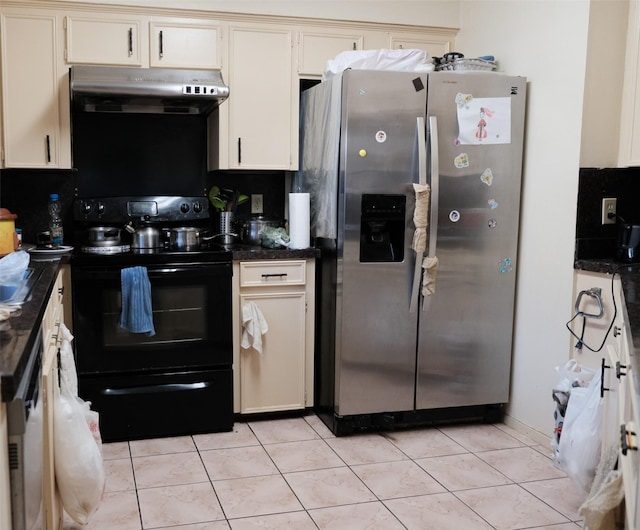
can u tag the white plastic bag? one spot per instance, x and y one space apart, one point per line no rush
79 467
409 60
579 448
13 266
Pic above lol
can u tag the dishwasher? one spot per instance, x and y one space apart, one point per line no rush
25 429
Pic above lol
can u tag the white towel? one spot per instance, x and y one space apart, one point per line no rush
254 325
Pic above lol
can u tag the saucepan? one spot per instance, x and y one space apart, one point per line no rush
252 228
103 236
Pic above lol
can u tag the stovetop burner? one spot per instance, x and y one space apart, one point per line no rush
105 250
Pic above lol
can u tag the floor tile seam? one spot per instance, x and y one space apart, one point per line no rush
169 453
526 491
391 512
173 485
517 481
545 502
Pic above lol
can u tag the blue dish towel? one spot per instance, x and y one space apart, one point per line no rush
136 316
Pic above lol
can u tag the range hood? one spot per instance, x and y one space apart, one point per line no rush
145 90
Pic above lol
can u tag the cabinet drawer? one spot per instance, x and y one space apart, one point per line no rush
270 274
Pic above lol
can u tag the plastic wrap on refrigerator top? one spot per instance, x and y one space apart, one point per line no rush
318 173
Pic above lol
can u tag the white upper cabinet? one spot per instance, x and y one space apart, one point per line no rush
315 48
32 135
185 45
434 45
139 41
262 105
104 40
629 154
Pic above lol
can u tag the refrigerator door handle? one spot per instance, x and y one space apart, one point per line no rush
433 210
422 179
435 180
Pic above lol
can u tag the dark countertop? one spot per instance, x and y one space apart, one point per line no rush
251 252
19 332
630 278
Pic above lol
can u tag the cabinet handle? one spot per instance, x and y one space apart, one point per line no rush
274 275
161 45
616 331
355 46
239 150
47 143
130 42
627 440
619 368
61 291
602 388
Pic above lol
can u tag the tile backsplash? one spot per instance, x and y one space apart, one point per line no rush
593 239
25 192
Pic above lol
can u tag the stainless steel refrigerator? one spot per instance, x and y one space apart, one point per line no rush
389 350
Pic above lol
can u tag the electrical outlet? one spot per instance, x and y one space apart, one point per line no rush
609 210
257 205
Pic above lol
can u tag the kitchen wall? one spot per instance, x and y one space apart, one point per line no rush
593 239
26 193
442 13
546 41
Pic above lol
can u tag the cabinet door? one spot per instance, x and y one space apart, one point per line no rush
275 379
263 110
434 46
315 49
629 154
184 45
103 40
31 124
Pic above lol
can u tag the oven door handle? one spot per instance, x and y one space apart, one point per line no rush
154 389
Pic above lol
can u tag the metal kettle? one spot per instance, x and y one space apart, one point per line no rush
144 237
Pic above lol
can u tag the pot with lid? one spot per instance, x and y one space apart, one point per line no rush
252 228
104 236
183 238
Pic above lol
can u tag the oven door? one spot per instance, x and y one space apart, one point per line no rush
191 306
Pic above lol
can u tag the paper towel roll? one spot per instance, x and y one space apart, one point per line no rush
299 227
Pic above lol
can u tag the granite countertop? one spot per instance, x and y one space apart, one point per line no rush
19 332
255 252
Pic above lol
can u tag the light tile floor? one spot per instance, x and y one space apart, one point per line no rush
293 473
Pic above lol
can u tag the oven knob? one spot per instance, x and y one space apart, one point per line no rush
100 208
184 207
197 207
86 208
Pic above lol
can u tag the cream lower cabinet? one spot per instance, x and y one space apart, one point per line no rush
280 378
33 128
5 494
53 317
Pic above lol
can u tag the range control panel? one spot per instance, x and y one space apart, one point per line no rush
148 209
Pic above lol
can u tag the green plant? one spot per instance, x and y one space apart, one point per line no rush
225 200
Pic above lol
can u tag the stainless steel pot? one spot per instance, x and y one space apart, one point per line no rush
104 236
251 229
144 237
183 238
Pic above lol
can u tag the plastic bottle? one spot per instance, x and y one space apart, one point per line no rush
55 220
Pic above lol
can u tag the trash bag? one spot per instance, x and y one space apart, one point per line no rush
13 266
578 448
79 467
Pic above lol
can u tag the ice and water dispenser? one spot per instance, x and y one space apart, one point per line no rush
382 226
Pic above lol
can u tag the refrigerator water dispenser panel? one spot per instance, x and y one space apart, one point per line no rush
382 228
